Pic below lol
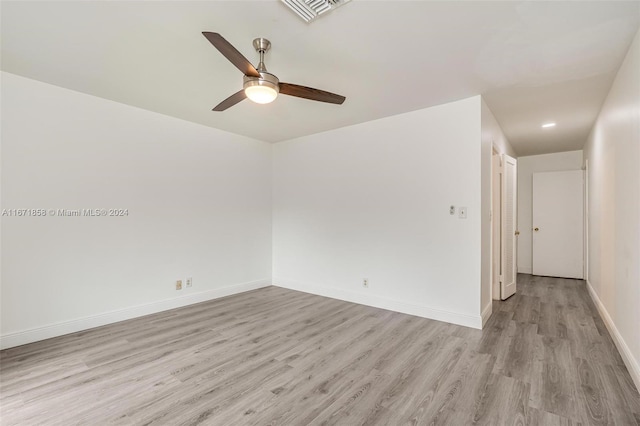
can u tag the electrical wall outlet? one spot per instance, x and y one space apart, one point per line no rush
365 283
179 285
189 282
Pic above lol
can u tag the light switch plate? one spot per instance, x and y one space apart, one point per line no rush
462 213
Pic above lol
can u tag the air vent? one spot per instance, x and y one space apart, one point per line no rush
309 10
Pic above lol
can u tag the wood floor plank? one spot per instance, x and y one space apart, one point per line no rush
503 401
527 309
620 410
405 394
516 357
274 356
543 418
458 393
595 408
358 405
627 387
556 385
550 320
495 334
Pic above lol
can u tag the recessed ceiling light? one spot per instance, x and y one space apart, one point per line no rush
544 126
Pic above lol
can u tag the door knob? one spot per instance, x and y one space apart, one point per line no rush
536 229
517 232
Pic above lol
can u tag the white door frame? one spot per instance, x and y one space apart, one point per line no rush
586 220
496 222
509 227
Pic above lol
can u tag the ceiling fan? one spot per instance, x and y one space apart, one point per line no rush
259 85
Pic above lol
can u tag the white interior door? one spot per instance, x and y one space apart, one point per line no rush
509 220
558 224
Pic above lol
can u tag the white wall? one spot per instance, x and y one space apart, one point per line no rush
613 155
492 136
527 166
372 201
199 203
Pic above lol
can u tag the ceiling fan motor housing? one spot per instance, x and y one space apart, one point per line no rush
265 79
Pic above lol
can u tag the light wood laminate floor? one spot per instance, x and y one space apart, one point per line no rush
280 357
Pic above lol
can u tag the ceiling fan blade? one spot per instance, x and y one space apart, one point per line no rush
231 53
231 101
311 93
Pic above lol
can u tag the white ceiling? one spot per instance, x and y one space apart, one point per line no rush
533 61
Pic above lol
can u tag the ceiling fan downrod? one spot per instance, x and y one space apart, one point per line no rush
262 46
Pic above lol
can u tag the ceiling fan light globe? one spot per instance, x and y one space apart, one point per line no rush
263 89
261 94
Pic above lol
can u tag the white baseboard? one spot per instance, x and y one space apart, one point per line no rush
486 313
62 328
384 303
623 348
524 270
